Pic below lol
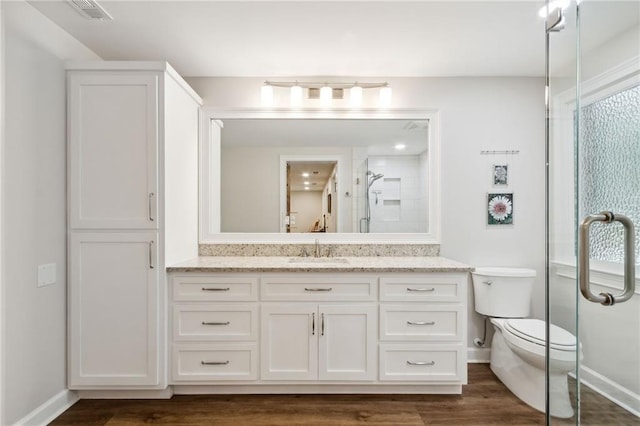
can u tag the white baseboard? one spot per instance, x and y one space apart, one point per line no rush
478 355
51 409
166 393
610 390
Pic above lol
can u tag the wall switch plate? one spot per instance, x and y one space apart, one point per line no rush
46 274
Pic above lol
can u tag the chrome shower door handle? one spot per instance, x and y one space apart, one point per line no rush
607 299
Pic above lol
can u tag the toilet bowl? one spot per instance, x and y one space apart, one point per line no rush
518 344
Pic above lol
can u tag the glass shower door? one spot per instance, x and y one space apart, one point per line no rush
594 208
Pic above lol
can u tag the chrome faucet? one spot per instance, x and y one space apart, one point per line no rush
317 248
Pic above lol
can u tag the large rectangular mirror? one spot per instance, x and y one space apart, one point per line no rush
353 177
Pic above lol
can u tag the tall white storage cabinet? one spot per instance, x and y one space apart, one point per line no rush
133 208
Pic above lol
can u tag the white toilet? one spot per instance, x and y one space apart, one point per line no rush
518 345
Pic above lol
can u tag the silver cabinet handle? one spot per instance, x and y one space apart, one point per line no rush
322 319
318 289
607 299
151 195
421 322
215 289
421 363
487 282
151 255
214 362
215 323
313 323
420 289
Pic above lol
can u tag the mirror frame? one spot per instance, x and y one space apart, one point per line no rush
210 180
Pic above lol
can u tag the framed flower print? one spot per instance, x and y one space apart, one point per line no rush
500 208
500 174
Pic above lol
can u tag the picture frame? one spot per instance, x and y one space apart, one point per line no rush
499 208
500 174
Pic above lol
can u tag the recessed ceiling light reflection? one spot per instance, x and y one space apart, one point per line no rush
305 174
400 146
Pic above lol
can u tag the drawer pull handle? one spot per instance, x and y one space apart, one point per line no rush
420 289
214 362
151 255
215 289
215 323
313 324
421 363
151 195
421 322
318 289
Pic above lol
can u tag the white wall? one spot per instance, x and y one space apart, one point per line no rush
250 180
476 114
307 206
33 208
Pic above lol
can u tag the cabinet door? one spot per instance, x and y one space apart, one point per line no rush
113 310
113 142
347 342
289 342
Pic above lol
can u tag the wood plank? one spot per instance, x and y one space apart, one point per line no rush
485 401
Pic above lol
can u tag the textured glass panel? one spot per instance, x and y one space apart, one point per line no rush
609 167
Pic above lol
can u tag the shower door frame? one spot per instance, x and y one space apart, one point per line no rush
563 236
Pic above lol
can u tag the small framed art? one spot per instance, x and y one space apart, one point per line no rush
500 208
500 174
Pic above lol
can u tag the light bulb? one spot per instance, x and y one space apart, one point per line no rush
326 95
356 96
385 97
296 96
267 95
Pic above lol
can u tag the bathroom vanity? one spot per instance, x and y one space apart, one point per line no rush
334 325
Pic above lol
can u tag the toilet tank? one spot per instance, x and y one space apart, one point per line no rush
503 292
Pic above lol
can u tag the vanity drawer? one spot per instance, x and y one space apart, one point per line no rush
412 362
319 287
196 362
210 322
435 287
203 287
421 322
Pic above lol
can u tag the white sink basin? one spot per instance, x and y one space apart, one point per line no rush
322 260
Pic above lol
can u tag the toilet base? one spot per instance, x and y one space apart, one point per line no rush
528 382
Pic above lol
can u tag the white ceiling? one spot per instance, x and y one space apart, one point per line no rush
334 38
326 38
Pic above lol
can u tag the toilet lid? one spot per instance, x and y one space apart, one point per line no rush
533 330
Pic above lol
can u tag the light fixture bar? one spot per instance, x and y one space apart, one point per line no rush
326 92
319 85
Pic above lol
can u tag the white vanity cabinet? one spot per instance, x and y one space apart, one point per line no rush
132 185
318 332
318 342
214 327
334 340
423 327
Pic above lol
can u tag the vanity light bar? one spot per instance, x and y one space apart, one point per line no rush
326 92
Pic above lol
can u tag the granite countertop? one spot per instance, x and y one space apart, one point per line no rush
322 264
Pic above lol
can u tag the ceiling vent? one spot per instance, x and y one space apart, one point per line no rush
90 10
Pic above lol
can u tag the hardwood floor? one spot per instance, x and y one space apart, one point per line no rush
485 401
